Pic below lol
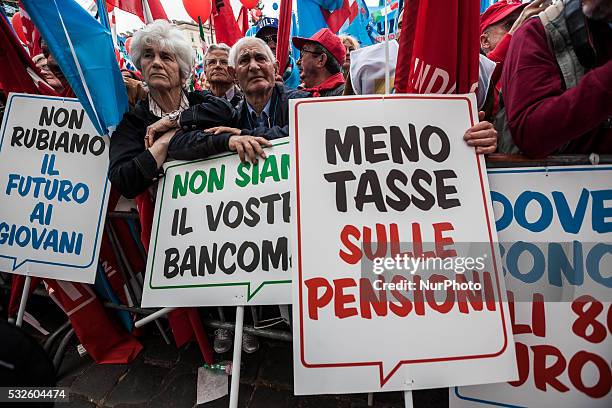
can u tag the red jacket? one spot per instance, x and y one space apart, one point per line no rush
542 115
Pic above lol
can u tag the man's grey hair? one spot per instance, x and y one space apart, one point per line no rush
168 37
216 47
249 42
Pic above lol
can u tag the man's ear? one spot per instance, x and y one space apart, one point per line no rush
276 67
232 72
322 61
485 45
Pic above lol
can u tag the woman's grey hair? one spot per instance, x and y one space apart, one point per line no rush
217 47
167 37
246 42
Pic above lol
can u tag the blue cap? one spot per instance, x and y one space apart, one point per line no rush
266 22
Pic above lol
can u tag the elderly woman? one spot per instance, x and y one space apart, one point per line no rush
165 58
350 44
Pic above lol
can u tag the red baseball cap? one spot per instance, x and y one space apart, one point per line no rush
328 40
498 11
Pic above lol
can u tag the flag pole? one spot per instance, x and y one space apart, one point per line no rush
153 316
387 79
23 301
235 384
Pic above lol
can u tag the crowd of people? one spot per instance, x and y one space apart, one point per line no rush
549 90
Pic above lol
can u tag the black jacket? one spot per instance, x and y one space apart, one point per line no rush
195 144
132 168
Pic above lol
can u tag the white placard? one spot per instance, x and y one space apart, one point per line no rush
555 225
396 168
221 233
53 189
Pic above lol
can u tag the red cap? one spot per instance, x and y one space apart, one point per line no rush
328 40
498 11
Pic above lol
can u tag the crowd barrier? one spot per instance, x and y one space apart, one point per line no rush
58 340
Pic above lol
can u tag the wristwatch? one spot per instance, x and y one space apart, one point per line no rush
174 117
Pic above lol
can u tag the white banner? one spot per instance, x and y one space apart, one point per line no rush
53 189
379 184
555 228
220 233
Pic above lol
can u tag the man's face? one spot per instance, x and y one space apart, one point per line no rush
216 67
47 74
254 70
598 9
269 36
491 37
311 63
160 68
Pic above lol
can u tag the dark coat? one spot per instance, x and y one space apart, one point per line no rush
193 143
133 168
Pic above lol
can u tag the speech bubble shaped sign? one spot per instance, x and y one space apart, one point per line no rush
53 189
220 233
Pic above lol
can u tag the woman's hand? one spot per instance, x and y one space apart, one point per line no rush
482 136
224 129
248 147
159 127
159 148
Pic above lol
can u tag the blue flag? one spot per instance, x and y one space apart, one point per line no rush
83 48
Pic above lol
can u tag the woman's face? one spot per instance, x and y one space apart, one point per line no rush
160 68
347 61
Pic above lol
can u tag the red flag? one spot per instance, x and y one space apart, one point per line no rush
438 50
335 20
105 342
243 20
153 10
17 71
129 6
284 30
226 27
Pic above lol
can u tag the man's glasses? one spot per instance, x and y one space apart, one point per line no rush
270 38
214 61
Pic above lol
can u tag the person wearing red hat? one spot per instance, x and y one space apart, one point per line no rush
500 21
322 56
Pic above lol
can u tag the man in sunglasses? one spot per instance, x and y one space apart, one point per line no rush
267 30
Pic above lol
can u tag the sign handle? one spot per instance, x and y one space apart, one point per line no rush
23 301
408 399
370 399
236 358
153 316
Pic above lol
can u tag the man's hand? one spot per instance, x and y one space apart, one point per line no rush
224 129
248 147
531 10
159 127
482 136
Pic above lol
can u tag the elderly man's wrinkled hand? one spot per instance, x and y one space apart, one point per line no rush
157 128
482 136
248 147
224 129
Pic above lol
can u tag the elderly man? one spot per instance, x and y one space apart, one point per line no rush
218 75
322 56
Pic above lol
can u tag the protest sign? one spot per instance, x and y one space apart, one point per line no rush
397 283
555 230
220 233
54 189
